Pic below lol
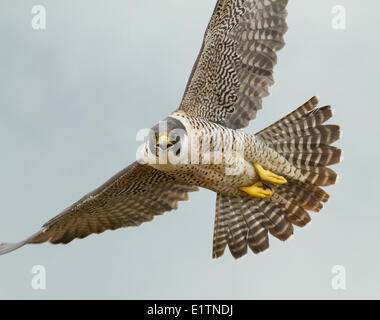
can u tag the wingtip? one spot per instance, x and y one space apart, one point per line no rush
315 100
9 247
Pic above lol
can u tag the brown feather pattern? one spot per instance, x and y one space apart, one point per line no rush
134 196
235 66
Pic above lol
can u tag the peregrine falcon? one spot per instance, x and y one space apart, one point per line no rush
265 182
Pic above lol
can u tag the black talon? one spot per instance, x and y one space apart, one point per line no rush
267 186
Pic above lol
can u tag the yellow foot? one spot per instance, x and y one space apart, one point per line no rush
258 191
266 175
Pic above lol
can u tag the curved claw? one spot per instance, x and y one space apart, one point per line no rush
268 176
258 190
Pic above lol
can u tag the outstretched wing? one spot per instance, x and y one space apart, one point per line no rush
133 196
235 66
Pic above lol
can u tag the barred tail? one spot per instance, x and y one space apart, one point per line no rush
303 139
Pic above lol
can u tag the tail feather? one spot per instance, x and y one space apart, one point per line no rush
315 136
220 227
243 222
238 230
308 196
285 122
320 176
304 140
274 219
294 212
238 227
315 191
258 240
321 156
299 128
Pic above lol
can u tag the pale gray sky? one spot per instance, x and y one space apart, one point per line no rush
72 99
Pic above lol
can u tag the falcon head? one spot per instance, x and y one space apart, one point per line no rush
166 142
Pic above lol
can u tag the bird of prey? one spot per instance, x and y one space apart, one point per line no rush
264 183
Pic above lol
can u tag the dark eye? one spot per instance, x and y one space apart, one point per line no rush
176 139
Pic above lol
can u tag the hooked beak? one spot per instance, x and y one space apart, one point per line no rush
163 143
